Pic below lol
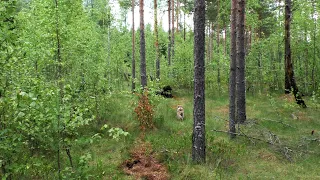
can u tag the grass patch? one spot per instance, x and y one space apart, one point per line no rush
240 158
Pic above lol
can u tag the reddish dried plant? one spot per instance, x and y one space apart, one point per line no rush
144 112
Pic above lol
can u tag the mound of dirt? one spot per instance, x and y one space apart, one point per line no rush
143 164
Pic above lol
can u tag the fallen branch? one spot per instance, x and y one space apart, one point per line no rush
279 122
242 134
285 150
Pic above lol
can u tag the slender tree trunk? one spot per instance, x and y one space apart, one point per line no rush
306 63
290 82
314 64
287 46
169 32
232 75
177 15
198 136
218 47
172 38
143 71
69 156
60 85
225 40
133 70
240 78
274 70
156 39
212 42
184 23
260 76
208 54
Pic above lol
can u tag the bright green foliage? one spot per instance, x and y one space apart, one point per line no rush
38 116
34 120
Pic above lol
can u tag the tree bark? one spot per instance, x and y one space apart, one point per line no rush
172 38
143 71
211 42
208 50
240 78
314 64
290 82
177 15
184 23
218 47
133 70
156 39
225 40
169 33
60 85
198 136
232 76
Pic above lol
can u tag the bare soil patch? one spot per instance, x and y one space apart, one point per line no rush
143 164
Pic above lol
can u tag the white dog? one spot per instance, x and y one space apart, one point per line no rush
180 112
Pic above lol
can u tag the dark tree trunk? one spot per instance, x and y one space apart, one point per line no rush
208 50
240 78
69 156
184 23
177 15
314 64
59 76
211 40
225 39
157 39
198 136
290 82
232 81
169 33
218 48
143 71
172 38
133 70
306 62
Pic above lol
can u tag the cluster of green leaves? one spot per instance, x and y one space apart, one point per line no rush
44 109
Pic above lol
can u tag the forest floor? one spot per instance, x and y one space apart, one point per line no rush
280 140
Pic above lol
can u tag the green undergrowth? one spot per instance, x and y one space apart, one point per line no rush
283 147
